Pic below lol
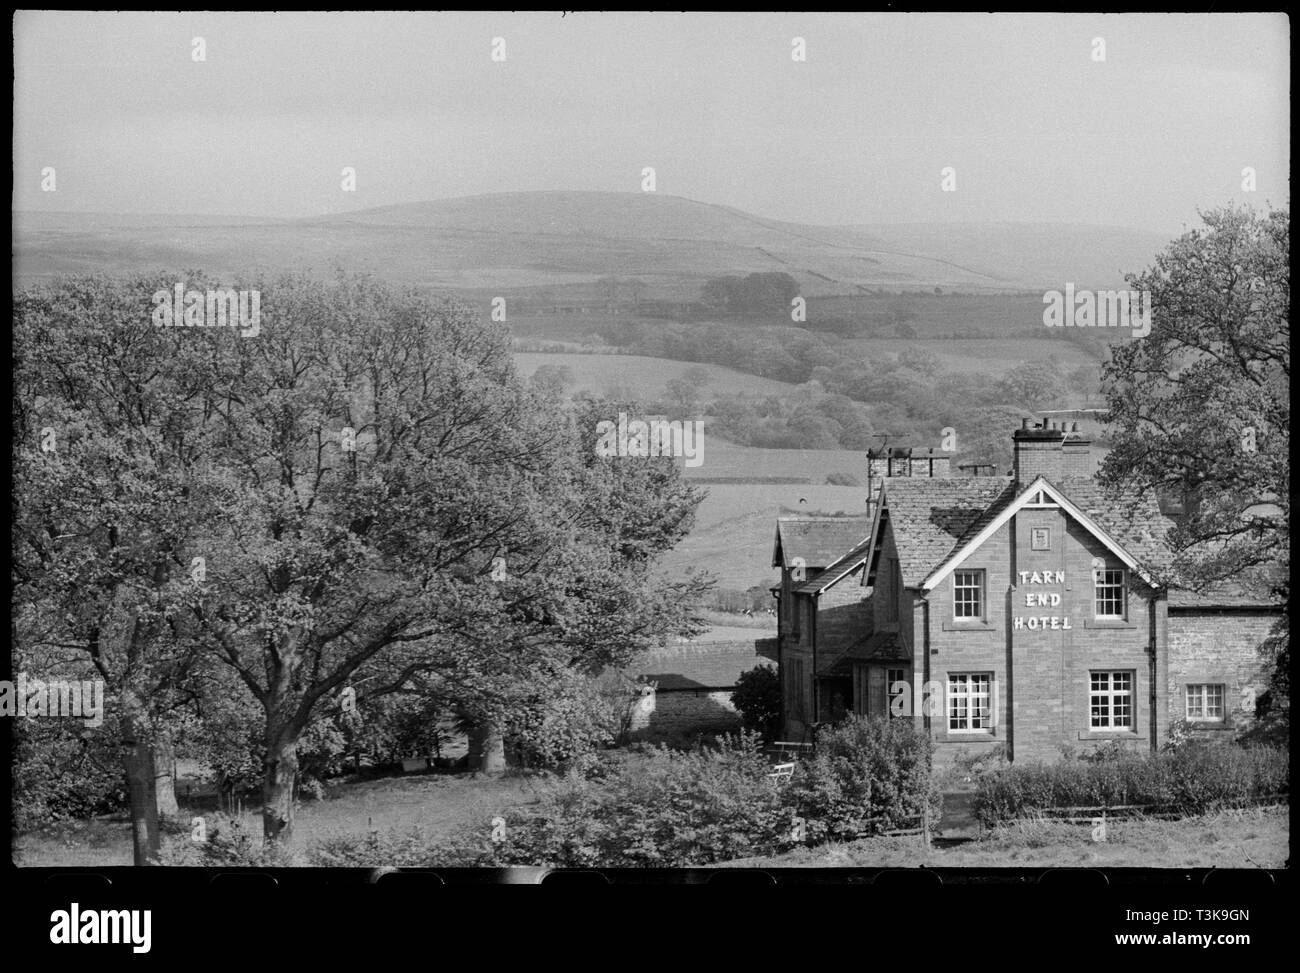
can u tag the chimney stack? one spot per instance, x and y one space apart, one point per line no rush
896 461
1043 449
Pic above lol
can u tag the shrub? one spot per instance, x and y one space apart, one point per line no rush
392 848
1194 778
656 807
758 698
228 843
868 774
569 718
62 770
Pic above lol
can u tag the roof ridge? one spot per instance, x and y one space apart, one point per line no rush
805 518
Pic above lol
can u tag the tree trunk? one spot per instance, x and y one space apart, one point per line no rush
279 777
164 778
487 752
138 760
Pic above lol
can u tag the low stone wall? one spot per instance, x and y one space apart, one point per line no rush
684 712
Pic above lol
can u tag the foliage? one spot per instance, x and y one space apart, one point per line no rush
108 437
656 808
1272 722
396 726
754 292
222 732
227 843
1215 364
1193 778
758 697
569 718
867 774
1032 385
1200 407
410 848
63 770
349 477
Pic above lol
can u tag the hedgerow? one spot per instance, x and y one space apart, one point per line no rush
1192 779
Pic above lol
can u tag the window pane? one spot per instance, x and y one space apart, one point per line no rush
968 590
1110 593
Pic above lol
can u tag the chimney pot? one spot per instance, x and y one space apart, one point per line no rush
1024 423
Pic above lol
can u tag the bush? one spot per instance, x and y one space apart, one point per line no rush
62 770
1194 778
655 808
650 806
570 718
868 774
758 698
228 843
396 849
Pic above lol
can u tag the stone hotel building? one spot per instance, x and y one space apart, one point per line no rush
1024 612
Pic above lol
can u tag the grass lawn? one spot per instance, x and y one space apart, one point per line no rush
1256 838
437 804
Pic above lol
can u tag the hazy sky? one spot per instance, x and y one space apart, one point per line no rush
1036 129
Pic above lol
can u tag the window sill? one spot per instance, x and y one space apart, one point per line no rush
1209 725
1111 735
974 736
1107 623
968 627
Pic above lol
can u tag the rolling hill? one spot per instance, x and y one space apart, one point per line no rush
510 241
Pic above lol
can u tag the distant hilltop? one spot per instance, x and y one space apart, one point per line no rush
535 239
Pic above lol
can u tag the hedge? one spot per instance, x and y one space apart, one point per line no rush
1193 779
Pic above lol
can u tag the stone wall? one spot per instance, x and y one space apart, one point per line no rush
684 712
1219 647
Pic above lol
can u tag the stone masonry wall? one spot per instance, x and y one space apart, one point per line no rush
1220 647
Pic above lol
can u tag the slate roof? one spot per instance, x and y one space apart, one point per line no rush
1133 519
818 540
844 567
933 518
877 647
707 665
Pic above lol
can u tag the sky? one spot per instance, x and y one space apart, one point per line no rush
1035 127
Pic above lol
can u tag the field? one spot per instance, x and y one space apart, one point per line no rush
639 378
989 356
736 524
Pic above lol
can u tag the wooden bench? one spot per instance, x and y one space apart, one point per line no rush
789 749
782 772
